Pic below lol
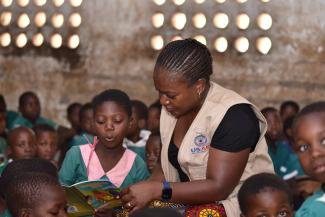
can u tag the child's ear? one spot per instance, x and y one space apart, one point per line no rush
25 213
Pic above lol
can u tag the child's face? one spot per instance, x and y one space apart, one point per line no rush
3 122
153 119
274 125
134 123
111 124
152 151
87 121
22 145
31 109
46 144
309 137
73 118
272 203
53 203
289 111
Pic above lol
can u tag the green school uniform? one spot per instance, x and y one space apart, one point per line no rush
81 164
314 206
286 163
21 121
83 138
11 116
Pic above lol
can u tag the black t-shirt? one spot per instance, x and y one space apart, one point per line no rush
238 130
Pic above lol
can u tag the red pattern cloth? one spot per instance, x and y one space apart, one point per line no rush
206 210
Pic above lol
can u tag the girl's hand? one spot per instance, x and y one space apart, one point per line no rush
141 194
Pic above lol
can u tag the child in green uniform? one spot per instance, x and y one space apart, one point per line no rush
137 137
46 142
21 141
36 195
309 137
106 158
30 112
265 194
285 161
153 149
86 134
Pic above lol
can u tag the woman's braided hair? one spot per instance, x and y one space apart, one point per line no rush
187 58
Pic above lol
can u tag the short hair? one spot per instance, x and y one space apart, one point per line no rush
26 191
25 165
85 107
113 95
13 132
72 107
157 212
140 108
261 182
187 58
23 97
267 110
316 107
289 103
41 128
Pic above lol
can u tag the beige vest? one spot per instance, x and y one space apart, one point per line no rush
194 151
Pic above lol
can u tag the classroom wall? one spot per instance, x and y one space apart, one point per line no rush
115 53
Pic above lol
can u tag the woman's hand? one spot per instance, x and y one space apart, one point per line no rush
141 194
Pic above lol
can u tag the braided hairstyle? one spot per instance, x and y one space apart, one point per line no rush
186 58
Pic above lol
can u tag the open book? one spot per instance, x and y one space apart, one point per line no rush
84 197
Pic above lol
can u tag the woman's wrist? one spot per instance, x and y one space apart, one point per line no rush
157 190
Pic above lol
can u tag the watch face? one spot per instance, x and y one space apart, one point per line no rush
166 193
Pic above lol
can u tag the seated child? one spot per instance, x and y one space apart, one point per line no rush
265 194
278 147
21 145
30 112
154 116
106 158
73 111
17 168
309 137
46 142
86 134
288 109
137 137
35 195
153 149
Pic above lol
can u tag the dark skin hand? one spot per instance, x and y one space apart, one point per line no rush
223 173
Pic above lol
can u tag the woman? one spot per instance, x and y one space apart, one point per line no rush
213 139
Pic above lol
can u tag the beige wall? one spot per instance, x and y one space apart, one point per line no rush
115 54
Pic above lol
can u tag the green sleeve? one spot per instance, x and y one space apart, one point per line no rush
140 170
72 168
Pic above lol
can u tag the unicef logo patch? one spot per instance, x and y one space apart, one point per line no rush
200 140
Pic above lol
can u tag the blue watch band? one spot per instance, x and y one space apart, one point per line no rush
166 191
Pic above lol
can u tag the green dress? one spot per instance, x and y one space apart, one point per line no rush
314 206
81 164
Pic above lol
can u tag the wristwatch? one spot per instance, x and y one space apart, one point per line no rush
166 192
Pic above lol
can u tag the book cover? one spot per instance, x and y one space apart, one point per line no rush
84 197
